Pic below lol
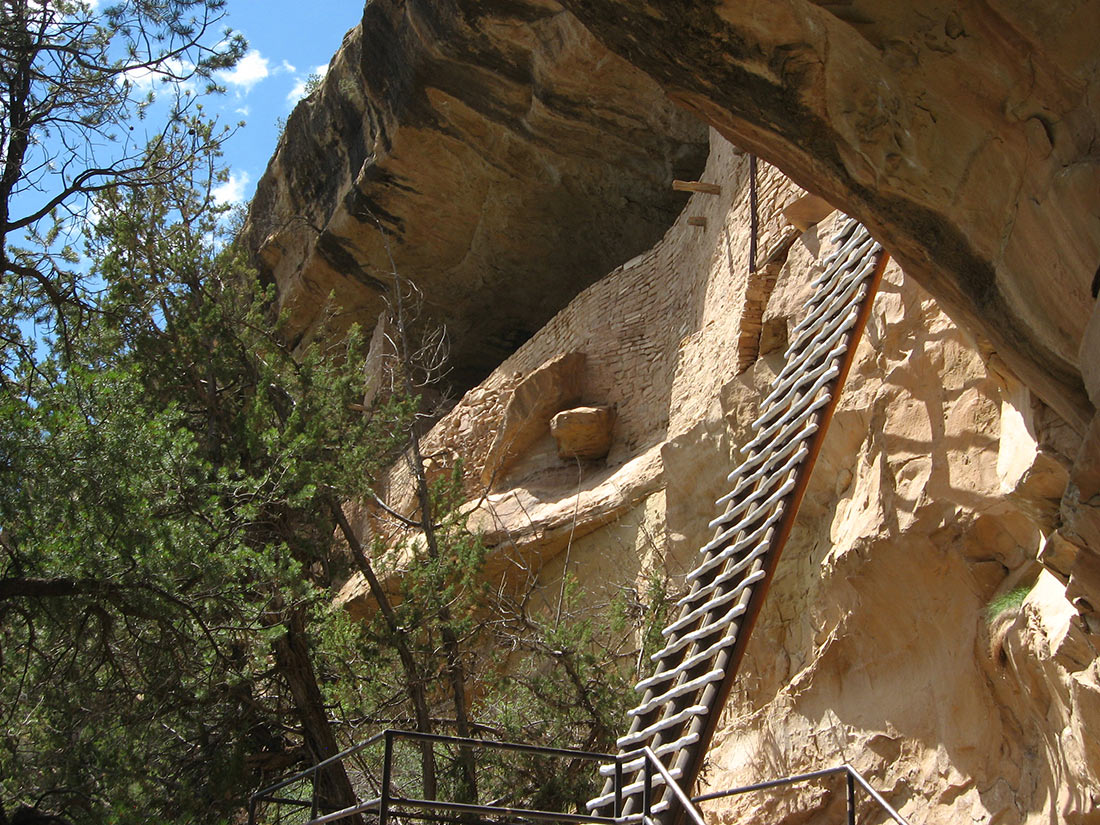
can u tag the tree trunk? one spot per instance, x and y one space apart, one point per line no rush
414 683
331 787
467 790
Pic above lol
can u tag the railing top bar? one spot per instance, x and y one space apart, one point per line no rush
346 812
804 777
677 791
886 806
392 733
508 746
314 768
531 813
772 783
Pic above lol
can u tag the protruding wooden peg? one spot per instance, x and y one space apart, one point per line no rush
697 220
697 186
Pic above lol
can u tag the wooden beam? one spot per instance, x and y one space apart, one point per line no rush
697 220
697 186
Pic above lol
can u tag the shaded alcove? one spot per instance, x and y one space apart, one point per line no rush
502 156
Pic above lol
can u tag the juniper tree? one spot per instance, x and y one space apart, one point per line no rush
91 98
166 485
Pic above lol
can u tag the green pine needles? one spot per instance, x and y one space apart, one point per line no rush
172 475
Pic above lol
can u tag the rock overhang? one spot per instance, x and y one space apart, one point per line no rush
963 135
499 154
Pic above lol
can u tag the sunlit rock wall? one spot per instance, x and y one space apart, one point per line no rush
963 134
937 492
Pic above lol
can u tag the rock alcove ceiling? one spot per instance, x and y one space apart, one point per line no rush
966 135
515 152
509 159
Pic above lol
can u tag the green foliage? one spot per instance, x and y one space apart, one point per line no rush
78 83
567 681
167 471
171 474
168 477
1010 600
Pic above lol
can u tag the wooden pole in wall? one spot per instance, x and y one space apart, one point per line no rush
697 186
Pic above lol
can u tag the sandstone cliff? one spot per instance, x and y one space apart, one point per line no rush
508 157
964 462
963 134
936 493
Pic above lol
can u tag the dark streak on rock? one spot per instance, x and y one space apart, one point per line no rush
560 192
367 210
340 259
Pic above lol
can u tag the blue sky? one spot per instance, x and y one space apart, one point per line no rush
288 40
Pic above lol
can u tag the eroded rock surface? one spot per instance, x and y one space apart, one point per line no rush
963 134
508 157
934 619
920 626
583 432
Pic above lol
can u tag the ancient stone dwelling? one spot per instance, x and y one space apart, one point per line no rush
521 156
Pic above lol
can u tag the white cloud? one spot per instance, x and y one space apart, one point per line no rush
251 69
145 79
243 111
298 92
287 67
232 191
301 83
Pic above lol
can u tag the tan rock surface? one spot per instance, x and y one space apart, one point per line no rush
963 134
514 160
527 415
583 432
934 495
510 159
875 647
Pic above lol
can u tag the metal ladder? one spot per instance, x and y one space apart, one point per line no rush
682 700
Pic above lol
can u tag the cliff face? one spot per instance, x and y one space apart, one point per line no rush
934 619
881 643
964 135
507 157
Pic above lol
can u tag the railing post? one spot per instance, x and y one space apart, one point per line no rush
647 790
313 796
851 796
618 787
251 810
387 766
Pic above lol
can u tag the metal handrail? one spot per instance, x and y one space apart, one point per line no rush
651 761
852 775
497 810
366 743
384 802
497 745
652 767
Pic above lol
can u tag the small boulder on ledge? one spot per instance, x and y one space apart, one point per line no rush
583 432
